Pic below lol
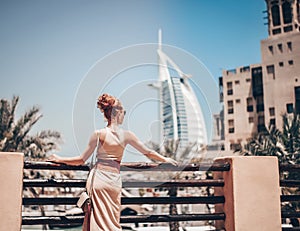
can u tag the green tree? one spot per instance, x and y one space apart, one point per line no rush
285 145
14 133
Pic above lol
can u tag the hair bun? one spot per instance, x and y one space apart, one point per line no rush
105 102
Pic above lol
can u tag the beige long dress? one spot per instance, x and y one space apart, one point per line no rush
107 184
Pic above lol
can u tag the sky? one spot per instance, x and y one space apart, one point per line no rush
52 51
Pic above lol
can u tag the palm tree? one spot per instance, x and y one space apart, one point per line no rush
15 137
14 134
285 145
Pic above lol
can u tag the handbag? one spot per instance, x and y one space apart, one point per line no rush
85 199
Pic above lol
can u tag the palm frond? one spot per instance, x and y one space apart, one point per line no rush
14 136
4 117
14 104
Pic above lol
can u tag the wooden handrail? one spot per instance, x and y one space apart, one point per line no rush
134 167
125 219
80 183
129 200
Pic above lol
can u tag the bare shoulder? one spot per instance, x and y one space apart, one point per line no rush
129 135
98 134
99 131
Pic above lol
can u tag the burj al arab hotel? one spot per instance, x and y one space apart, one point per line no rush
180 112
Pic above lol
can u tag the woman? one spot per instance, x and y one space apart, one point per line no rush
106 190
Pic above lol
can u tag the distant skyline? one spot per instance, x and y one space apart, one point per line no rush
48 47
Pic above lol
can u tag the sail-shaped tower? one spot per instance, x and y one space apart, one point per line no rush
180 112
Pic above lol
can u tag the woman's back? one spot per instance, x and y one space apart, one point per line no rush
112 144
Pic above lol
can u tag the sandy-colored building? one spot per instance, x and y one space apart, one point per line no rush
257 95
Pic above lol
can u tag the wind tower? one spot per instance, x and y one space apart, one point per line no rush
180 112
283 16
257 95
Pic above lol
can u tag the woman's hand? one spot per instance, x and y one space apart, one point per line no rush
171 161
54 158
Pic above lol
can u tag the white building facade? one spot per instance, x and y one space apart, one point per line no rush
180 112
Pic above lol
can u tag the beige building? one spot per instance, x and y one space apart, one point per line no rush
257 95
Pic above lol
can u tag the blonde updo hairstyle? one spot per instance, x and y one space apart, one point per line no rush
109 105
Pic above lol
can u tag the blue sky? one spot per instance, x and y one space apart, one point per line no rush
48 47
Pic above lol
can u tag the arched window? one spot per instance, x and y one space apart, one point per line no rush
275 15
287 12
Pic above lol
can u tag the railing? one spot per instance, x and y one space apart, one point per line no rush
291 214
140 167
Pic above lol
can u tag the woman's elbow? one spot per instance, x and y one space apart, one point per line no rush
81 161
148 154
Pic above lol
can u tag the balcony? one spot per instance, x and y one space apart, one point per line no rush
255 187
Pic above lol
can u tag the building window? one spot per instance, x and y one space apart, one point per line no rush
287 12
276 31
271 50
250 120
297 99
281 64
291 62
261 124
272 111
288 28
260 103
249 104
229 88
245 69
271 71
289 45
248 80
257 82
232 71
280 47
230 106
221 91
235 147
261 119
289 108
238 101
273 122
230 126
237 82
275 15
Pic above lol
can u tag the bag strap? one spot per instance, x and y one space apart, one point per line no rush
93 161
90 192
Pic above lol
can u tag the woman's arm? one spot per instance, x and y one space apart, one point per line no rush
77 160
138 145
